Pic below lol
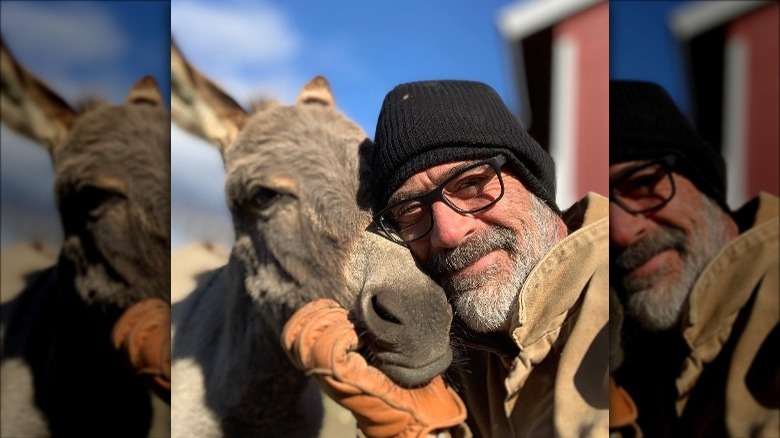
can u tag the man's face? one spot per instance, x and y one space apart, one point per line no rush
482 259
658 254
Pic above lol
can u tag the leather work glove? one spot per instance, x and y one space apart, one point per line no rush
320 340
622 410
143 335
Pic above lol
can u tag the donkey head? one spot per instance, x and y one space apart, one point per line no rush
112 184
297 187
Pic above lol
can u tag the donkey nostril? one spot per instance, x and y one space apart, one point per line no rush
382 311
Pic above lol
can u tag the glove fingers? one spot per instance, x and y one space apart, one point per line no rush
148 337
332 346
143 334
300 319
445 408
293 325
398 412
373 415
130 318
306 327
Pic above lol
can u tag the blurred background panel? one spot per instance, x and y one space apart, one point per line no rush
559 52
546 58
719 61
84 50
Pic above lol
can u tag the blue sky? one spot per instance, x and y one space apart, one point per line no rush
364 48
642 47
270 49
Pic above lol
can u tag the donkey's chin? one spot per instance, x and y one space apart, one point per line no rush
412 375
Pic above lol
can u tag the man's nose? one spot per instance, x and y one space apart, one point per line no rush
624 227
449 226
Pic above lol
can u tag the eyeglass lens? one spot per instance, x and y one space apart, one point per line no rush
646 188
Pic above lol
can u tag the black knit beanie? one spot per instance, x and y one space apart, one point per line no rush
423 124
645 124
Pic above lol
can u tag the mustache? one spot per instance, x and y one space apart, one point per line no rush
473 249
644 249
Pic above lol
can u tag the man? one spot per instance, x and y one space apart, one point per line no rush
463 185
699 283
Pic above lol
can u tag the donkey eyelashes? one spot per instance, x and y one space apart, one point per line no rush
258 201
95 201
263 199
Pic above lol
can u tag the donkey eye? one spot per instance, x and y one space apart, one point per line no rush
93 200
264 198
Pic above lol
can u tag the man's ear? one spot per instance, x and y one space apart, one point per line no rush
30 107
201 107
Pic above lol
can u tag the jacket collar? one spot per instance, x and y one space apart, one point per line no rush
720 291
556 283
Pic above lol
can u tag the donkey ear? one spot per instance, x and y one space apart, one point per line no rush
318 91
145 91
29 107
201 107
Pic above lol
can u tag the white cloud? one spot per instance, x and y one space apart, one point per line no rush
241 34
76 48
250 52
231 42
90 32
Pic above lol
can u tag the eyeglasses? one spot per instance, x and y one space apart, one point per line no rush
645 188
470 190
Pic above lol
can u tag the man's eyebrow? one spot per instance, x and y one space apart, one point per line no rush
621 174
400 196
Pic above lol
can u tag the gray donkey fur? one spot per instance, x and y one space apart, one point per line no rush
297 187
60 373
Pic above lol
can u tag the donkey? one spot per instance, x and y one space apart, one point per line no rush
297 186
61 375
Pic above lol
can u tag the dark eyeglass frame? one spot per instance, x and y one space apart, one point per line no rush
667 162
389 231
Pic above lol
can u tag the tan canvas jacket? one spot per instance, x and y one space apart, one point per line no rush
728 382
557 384
746 269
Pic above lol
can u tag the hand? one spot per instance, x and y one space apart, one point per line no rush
143 335
320 339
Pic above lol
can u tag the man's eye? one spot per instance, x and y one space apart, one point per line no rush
472 181
469 186
408 213
638 187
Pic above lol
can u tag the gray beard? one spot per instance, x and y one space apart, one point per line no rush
485 302
659 306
